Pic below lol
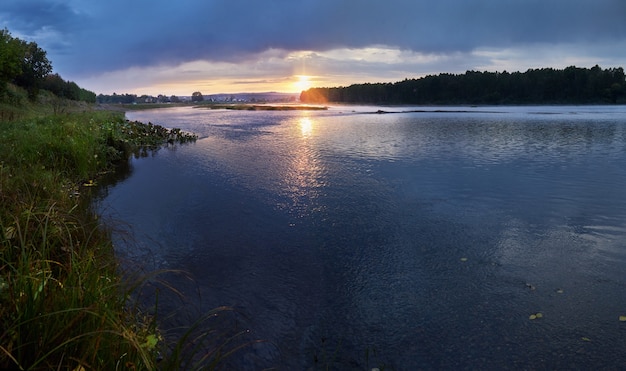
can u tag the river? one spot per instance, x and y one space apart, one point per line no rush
423 238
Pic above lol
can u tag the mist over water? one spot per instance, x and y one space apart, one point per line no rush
411 240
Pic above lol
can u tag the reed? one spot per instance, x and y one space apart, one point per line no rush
63 304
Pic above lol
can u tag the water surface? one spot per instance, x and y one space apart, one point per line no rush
409 240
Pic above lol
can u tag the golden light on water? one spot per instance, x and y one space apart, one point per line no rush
304 177
306 126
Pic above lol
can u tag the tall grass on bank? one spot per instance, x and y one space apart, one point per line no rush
62 303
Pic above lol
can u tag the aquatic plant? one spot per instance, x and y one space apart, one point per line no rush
265 107
62 301
63 304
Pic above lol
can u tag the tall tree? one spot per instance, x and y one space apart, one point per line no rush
10 63
35 67
197 97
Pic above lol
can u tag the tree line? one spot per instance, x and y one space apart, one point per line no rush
134 98
572 85
26 65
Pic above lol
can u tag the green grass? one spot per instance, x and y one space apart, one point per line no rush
63 304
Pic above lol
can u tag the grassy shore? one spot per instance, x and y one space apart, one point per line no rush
63 304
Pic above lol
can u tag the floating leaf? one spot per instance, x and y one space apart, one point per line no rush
622 318
90 183
585 339
559 291
463 259
536 316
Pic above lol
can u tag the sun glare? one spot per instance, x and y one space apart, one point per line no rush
306 126
303 82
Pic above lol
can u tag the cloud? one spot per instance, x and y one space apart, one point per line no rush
551 55
88 38
29 17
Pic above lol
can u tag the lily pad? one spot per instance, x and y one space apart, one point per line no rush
535 316
463 259
622 318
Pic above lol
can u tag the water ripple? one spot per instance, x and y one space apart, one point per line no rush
420 238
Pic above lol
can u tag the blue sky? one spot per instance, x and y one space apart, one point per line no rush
227 46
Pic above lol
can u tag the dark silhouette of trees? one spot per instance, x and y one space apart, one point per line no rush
67 89
26 65
133 98
10 65
35 67
572 85
22 63
197 97
117 98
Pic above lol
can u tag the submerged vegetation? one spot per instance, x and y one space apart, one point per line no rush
266 107
63 304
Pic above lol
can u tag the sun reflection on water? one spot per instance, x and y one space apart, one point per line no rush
304 176
306 126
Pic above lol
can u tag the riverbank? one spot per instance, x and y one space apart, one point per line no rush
63 304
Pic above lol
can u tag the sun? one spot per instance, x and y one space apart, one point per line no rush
303 82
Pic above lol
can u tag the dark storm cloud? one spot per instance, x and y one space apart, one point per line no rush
117 34
31 16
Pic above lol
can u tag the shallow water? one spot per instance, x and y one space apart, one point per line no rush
409 240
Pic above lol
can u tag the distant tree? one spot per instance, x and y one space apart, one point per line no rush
67 89
117 98
197 97
87 96
174 99
146 99
55 84
537 86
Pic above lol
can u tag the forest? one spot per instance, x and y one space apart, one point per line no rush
26 65
572 85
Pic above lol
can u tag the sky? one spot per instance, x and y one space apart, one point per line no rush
176 47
